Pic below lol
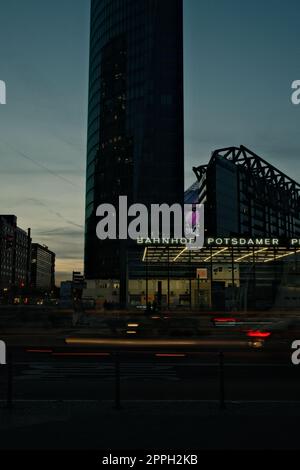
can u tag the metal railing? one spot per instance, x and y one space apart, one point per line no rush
116 357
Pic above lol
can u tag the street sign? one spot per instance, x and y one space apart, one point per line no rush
202 273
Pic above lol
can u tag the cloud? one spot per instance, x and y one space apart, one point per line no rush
58 214
60 232
28 171
40 165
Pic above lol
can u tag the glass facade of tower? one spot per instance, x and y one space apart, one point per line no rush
135 122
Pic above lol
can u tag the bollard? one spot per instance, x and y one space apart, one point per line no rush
117 383
9 400
222 382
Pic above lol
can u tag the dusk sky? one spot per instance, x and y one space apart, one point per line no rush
240 60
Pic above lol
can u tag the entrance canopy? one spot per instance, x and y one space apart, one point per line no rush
224 274
172 254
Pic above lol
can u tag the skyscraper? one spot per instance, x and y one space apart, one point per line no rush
135 119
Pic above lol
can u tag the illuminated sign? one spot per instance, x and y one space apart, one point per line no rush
164 241
225 241
241 241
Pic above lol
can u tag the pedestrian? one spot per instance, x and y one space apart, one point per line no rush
77 311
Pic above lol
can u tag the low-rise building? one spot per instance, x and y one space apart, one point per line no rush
42 268
15 255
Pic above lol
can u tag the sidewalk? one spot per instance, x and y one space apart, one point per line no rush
150 425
